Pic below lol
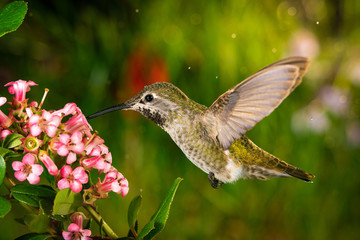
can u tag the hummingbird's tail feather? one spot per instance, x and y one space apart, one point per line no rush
300 174
288 169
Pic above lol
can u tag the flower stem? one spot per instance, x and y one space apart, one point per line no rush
97 217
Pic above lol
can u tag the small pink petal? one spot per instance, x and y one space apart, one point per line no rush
16 165
29 112
124 182
86 232
35 130
119 175
78 148
69 108
62 151
4 133
2 100
63 183
48 162
33 178
115 187
53 170
71 158
31 83
34 119
28 159
46 115
96 151
64 138
51 130
37 169
67 235
104 149
21 176
34 104
55 120
100 165
90 162
108 157
124 191
80 174
76 186
73 227
65 171
76 137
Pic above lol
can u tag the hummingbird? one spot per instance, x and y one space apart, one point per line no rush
213 138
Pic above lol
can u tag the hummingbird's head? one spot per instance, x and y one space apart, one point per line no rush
155 102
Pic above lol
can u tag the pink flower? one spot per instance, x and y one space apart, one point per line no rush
69 108
5 121
46 122
75 230
78 123
34 125
101 159
94 143
27 169
19 88
52 122
69 146
31 144
48 162
73 179
113 181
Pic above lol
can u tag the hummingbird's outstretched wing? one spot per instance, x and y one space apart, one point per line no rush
241 107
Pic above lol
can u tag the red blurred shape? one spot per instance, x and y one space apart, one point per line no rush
144 69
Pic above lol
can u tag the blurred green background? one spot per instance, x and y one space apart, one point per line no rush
100 53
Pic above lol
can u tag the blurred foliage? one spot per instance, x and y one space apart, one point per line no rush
100 53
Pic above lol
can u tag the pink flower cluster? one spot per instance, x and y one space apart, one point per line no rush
75 229
61 139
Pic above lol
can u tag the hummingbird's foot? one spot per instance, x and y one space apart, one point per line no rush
215 183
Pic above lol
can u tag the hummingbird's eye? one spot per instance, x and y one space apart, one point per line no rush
149 98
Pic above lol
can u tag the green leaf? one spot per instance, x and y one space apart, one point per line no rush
66 202
2 170
158 220
11 16
28 218
133 211
27 199
4 151
34 190
20 220
5 206
33 236
59 218
38 223
46 205
13 139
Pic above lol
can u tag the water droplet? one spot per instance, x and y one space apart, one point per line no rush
189 67
217 77
274 50
233 35
137 10
317 22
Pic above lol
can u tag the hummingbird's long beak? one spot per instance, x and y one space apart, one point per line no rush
107 110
